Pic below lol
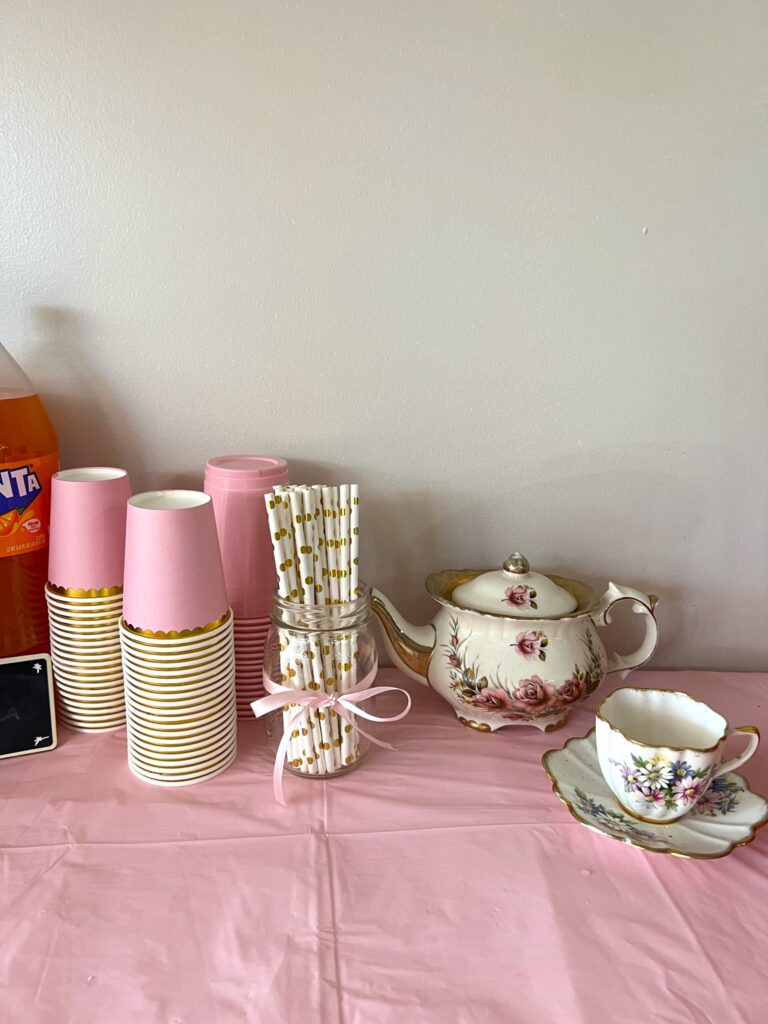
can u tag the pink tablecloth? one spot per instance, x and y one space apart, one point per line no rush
443 882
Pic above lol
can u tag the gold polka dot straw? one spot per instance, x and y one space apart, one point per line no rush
315 538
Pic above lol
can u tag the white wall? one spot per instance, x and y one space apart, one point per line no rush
504 264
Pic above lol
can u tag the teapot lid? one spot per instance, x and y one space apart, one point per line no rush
516 592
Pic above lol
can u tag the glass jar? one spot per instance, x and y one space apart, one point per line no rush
326 650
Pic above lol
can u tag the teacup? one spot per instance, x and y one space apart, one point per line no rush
659 750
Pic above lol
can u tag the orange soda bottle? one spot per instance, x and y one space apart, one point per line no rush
29 457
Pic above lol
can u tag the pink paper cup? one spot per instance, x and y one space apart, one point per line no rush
86 550
237 485
173 574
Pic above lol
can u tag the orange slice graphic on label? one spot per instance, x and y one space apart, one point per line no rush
9 523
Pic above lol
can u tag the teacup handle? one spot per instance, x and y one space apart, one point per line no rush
643 604
736 762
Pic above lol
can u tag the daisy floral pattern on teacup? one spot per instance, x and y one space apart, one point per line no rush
658 781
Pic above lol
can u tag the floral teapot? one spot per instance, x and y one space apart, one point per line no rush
513 647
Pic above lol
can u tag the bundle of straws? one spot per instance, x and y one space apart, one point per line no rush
315 538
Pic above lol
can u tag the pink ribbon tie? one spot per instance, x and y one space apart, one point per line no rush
345 704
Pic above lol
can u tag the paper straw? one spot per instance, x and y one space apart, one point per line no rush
312 670
329 727
323 648
312 666
354 523
284 589
288 567
350 737
276 537
294 753
321 546
342 535
331 515
287 544
303 550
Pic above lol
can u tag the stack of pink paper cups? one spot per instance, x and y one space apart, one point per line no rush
84 594
177 641
237 485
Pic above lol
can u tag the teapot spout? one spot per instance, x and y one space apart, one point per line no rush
409 646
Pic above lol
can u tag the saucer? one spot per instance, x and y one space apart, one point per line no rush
727 816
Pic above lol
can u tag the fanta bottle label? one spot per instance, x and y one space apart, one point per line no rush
25 504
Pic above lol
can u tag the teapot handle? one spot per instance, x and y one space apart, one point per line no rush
643 604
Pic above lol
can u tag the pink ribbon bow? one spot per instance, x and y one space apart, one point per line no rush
344 704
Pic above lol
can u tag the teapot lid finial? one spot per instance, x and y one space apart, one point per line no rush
517 564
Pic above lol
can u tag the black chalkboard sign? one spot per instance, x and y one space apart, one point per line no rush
27 715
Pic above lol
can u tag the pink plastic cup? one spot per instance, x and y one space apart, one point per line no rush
87 540
173 574
237 484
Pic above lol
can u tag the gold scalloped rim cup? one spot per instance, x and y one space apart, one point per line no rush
77 592
176 634
631 842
